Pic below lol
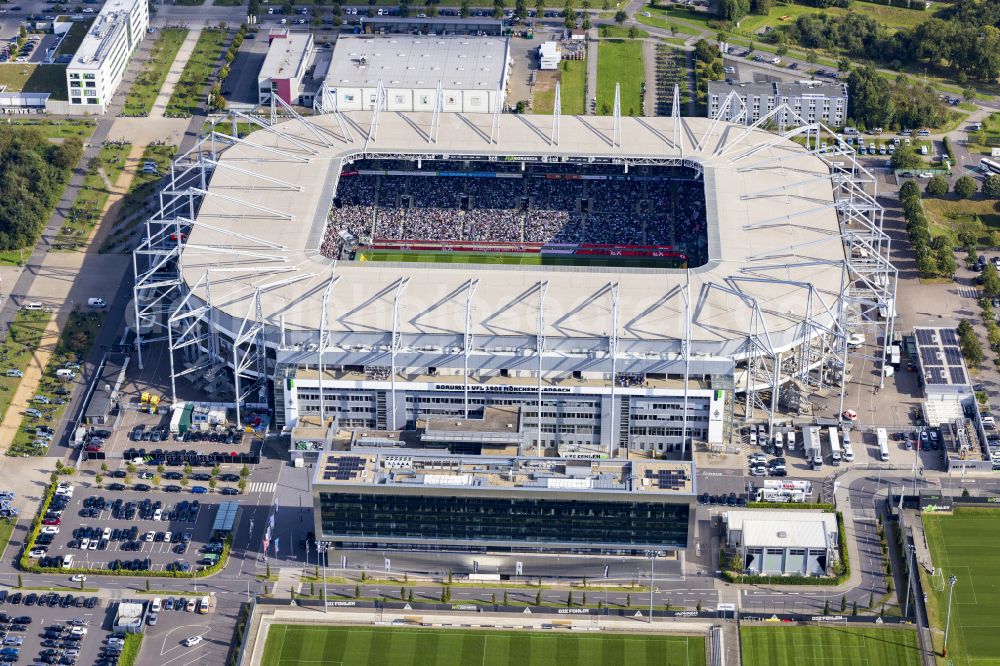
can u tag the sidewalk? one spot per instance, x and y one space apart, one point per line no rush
174 75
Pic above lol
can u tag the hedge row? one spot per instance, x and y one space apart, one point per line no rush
789 505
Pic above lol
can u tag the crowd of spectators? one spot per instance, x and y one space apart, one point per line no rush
668 210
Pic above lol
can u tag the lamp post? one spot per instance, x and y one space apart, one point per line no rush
652 560
947 624
321 552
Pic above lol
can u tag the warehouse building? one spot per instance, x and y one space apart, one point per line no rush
813 101
96 70
285 66
472 72
498 504
783 543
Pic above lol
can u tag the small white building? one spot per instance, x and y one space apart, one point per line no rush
471 71
285 66
97 68
783 542
549 55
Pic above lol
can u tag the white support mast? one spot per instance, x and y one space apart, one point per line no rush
613 352
394 346
556 112
543 288
467 344
616 131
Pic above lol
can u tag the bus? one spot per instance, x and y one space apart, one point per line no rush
812 448
883 444
989 166
835 456
848 447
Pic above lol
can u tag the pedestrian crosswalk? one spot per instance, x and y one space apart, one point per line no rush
261 487
970 292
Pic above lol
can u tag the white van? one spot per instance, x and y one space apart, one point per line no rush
65 373
33 305
155 607
68 561
96 303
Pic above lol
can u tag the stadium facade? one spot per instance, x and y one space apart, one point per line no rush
599 359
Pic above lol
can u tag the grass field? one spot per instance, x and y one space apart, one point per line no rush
361 646
829 646
948 216
619 62
86 210
54 128
572 90
71 42
73 344
147 85
965 545
514 259
191 88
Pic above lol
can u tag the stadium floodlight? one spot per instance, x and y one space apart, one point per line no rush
947 624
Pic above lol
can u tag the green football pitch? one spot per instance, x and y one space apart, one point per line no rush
841 645
966 545
411 646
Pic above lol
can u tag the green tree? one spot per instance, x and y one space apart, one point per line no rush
733 10
505 598
538 598
402 594
628 601
245 472
156 480
937 186
991 187
187 469
966 493
242 485
843 603
98 479
464 9
870 103
991 281
965 187
871 600
854 608
947 265
409 596
826 607
357 591
620 17
212 483
633 32
697 606
445 594
493 598
20 583
569 598
905 158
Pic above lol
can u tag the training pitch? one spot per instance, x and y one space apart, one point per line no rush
841 645
966 545
410 646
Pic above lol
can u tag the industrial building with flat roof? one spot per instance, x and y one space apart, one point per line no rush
814 101
472 73
783 542
284 66
97 68
417 500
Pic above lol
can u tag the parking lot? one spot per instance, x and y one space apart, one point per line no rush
134 530
165 643
55 628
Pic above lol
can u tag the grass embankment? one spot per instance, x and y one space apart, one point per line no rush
949 216
193 83
33 78
620 61
102 173
140 98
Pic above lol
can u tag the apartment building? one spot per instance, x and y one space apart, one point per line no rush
813 101
100 62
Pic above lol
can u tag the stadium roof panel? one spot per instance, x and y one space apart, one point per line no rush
772 226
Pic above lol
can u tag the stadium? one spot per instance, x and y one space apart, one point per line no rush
623 284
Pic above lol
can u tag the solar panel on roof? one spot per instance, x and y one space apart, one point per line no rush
957 376
953 356
949 337
925 336
929 357
935 375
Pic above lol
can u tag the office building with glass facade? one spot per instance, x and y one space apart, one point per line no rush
409 500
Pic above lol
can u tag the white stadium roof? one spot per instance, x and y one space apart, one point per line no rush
773 232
